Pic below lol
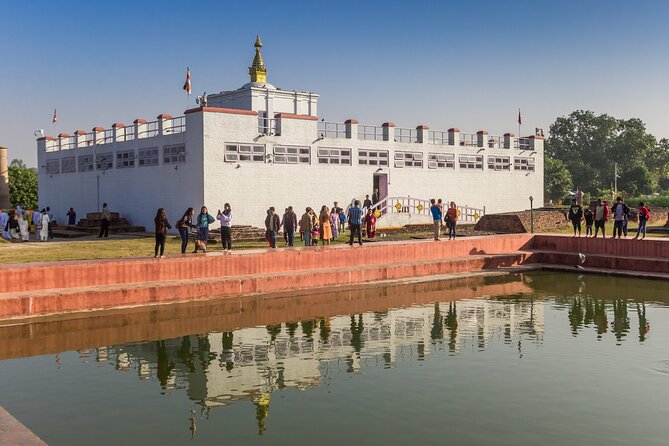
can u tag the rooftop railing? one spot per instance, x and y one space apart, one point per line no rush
522 144
331 129
468 139
438 137
406 135
495 142
370 132
119 133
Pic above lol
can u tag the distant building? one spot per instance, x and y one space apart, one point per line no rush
260 146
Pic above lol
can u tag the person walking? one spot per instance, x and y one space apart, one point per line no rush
367 204
184 225
452 214
44 231
325 228
225 218
202 223
272 225
575 216
370 223
104 221
306 226
335 222
71 217
4 219
601 215
644 217
376 197
37 223
589 218
52 222
620 211
289 225
24 227
436 218
162 225
355 222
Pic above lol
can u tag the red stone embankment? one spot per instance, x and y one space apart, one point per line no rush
66 287
60 287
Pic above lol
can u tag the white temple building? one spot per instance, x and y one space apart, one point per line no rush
260 146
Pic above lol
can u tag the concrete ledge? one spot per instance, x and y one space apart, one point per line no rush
13 433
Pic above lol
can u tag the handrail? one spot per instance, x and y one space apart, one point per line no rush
421 206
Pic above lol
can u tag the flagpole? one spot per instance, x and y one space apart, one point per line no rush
520 119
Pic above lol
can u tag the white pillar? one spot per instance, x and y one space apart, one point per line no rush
140 128
423 134
482 138
80 136
351 128
508 140
98 135
119 131
164 121
388 131
453 136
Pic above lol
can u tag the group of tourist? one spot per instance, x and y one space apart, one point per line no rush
17 225
599 213
325 226
444 215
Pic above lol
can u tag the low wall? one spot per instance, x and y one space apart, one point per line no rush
521 222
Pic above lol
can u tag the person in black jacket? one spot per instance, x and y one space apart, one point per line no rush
575 216
619 211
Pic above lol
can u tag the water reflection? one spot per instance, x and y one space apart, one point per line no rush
283 348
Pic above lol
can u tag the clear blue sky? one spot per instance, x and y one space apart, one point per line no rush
466 64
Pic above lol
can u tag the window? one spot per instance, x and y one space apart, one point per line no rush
174 154
85 163
441 161
52 167
244 152
104 161
499 163
148 157
471 162
373 157
334 156
125 159
68 164
409 159
523 164
292 155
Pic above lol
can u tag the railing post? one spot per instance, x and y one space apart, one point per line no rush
508 140
80 136
388 131
140 128
98 135
62 137
422 134
351 128
481 138
119 131
453 136
163 122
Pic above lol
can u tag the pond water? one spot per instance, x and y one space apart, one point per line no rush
535 358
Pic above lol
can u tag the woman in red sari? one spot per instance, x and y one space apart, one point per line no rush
370 222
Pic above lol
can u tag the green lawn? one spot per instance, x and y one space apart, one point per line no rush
117 247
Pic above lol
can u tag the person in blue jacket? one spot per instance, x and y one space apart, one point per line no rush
436 217
202 224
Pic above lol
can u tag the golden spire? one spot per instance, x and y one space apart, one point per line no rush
257 69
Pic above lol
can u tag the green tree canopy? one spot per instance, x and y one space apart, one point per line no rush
22 185
557 179
589 145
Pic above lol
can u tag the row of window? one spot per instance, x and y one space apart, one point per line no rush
285 155
302 155
124 159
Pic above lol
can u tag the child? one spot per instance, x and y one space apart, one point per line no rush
589 220
342 220
644 216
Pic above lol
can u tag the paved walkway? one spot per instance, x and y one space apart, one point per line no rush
13 433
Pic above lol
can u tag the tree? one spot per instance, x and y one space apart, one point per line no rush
22 185
590 145
557 179
636 180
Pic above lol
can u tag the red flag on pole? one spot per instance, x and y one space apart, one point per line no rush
55 117
187 83
520 120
